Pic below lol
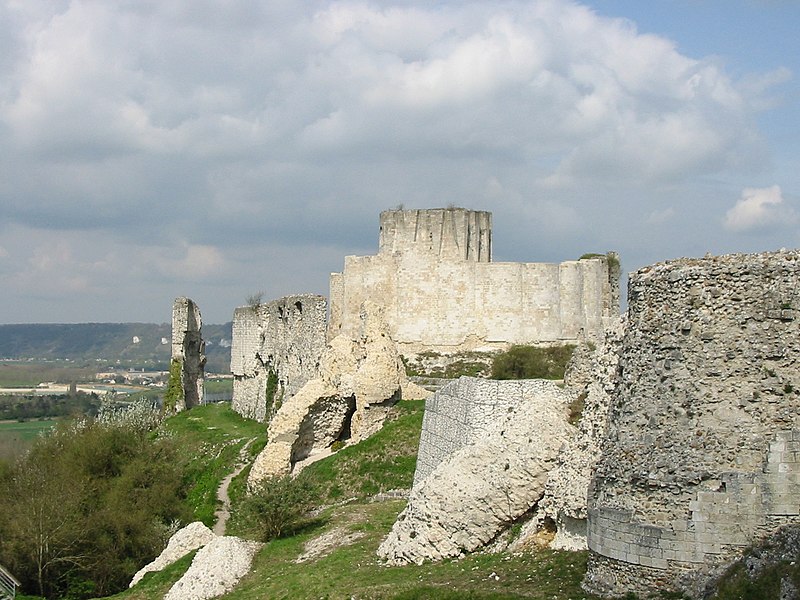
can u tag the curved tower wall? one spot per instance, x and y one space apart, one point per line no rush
702 454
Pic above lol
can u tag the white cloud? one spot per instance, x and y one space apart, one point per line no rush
178 138
196 262
658 217
760 208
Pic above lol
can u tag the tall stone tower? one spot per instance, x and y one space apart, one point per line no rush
449 233
702 452
188 348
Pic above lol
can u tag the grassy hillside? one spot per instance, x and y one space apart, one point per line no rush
346 483
108 342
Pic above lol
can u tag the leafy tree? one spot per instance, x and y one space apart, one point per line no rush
88 506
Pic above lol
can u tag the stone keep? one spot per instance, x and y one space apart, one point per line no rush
702 453
283 339
435 278
188 347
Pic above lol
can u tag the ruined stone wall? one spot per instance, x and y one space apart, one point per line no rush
188 347
283 339
462 412
700 457
449 297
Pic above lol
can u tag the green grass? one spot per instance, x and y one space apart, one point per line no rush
30 374
26 431
382 462
355 570
210 438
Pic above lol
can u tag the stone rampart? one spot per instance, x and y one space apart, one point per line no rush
462 413
701 453
276 349
434 277
188 348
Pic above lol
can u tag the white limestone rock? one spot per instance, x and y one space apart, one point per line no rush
309 421
193 536
465 502
215 570
566 491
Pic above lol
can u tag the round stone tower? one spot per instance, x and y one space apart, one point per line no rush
452 233
702 453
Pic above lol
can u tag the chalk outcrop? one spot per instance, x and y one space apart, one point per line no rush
193 536
359 380
215 570
188 349
591 376
276 349
486 476
703 444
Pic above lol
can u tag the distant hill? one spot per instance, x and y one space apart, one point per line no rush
138 345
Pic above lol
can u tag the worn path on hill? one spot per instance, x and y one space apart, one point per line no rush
223 513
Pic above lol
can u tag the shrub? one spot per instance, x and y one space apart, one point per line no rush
277 507
530 362
174 393
87 506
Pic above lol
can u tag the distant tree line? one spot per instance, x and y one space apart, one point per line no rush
31 406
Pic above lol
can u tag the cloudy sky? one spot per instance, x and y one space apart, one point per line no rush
151 149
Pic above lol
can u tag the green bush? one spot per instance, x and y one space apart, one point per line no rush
174 393
277 507
530 362
87 506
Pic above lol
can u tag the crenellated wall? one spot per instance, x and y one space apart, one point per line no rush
701 455
434 277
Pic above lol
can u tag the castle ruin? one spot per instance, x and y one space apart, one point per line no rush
188 350
276 349
441 292
701 457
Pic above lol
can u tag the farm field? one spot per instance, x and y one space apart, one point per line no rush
14 430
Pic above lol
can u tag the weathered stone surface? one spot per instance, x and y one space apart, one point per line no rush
464 411
188 347
215 570
703 440
592 376
359 380
193 536
283 339
433 274
490 475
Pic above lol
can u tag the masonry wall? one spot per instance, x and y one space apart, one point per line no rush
285 337
188 347
448 298
463 411
700 457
